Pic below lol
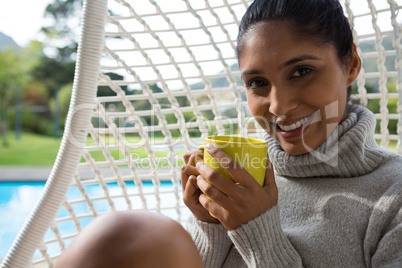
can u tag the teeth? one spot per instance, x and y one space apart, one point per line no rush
294 125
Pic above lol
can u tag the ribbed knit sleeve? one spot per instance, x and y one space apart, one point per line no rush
212 241
262 243
383 240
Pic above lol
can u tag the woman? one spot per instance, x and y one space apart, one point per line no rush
339 195
336 197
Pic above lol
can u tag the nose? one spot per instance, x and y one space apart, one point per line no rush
281 101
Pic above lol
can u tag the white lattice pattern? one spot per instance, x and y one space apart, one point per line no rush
168 78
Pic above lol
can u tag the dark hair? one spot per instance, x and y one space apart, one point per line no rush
321 20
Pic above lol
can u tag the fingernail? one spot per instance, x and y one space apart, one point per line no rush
199 163
209 146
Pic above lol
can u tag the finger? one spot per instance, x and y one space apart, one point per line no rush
191 192
190 160
198 158
189 168
191 199
191 188
186 156
213 192
239 174
212 207
195 158
183 177
222 183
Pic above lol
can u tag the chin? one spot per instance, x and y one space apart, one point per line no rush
312 139
297 147
294 150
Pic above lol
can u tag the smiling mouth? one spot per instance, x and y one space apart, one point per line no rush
295 125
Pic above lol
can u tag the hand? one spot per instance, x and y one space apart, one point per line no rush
234 204
191 192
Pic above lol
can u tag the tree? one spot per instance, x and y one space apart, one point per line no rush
14 73
47 68
55 71
63 29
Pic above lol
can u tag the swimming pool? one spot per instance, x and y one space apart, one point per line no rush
18 198
16 201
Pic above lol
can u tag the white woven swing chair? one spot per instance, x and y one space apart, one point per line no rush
167 78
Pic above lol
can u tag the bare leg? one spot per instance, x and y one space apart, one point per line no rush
131 239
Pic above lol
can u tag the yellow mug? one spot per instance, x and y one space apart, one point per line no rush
250 153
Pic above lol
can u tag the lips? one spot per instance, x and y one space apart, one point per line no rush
294 125
295 129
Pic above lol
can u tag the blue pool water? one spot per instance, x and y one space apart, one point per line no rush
16 201
18 198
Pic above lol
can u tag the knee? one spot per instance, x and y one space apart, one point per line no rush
143 230
130 230
134 225
111 239
148 239
121 239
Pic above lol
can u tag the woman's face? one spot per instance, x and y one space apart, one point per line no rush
296 89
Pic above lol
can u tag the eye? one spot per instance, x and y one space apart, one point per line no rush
256 83
300 72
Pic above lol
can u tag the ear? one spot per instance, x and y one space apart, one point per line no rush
353 69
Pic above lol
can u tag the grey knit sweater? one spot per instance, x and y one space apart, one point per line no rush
339 206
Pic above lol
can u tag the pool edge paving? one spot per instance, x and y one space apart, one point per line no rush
41 173
26 173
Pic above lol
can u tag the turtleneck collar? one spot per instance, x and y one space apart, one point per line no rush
349 151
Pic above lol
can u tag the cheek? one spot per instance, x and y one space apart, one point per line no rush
257 104
337 86
259 109
319 96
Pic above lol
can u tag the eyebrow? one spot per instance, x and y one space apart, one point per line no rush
250 72
283 65
297 59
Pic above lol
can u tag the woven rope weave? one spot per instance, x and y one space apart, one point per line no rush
168 78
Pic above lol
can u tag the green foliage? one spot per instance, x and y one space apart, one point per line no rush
183 101
64 103
62 29
107 91
375 106
392 106
33 123
14 73
37 77
47 68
